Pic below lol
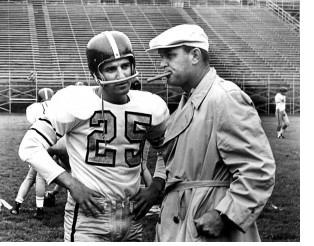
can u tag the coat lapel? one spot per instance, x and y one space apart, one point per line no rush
180 121
184 114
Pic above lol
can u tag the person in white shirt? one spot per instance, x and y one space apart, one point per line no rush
33 113
105 128
281 115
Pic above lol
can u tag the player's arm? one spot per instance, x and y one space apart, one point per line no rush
150 196
85 197
33 150
60 152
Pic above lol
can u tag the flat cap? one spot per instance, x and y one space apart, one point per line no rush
186 34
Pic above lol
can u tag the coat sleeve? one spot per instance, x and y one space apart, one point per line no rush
245 150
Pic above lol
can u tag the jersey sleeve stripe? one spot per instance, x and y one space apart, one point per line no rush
47 121
58 134
43 136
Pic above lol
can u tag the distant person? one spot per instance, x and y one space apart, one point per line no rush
220 170
33 113
281 115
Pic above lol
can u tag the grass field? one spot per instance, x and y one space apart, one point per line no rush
279 221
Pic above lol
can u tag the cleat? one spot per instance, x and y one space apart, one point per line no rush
16 208
39 214
14 211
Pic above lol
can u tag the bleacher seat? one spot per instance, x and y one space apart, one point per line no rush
249 46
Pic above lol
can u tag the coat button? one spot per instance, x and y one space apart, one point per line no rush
176 219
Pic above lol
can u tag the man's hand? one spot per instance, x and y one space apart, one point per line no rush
148 197
84 196
210 224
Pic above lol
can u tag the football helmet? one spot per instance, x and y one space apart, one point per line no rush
44 94
105 47
79 83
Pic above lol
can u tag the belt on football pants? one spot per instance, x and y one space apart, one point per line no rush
113 204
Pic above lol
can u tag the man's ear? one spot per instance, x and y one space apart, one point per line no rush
196 55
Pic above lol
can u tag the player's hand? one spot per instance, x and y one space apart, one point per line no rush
147 197
86 198
210 224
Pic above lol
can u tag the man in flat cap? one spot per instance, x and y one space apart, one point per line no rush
219 165
281 115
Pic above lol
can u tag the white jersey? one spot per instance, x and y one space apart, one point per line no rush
104 146
36 110
280 102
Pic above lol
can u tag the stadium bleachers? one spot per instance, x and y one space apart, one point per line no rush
248 45
290 6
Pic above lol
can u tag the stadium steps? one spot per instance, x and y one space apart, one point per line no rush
70 58
70 24
290 39
235 42
47 64
142 29
271 37
267 51
16 58
292 7
226 60
259 54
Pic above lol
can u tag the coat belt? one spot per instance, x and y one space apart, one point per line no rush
195 184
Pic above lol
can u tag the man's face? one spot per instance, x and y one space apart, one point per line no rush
177 61
116 70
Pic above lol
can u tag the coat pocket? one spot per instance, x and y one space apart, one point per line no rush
204 199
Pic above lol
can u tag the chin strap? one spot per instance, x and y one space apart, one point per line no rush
104 82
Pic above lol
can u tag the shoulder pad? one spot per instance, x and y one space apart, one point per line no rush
73 102
153 103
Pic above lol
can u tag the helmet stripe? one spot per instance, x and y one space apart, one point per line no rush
113 44
46 94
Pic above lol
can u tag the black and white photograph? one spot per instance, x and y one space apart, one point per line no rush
154 121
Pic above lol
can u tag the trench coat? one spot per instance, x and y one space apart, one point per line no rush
217 157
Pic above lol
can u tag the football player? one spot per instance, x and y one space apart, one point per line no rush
281 115
33 113
105 128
